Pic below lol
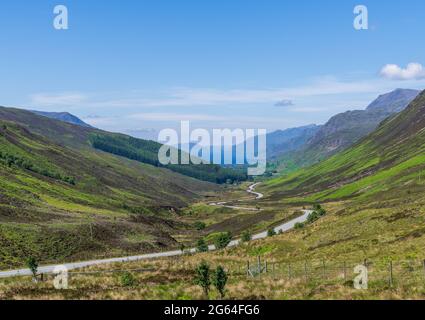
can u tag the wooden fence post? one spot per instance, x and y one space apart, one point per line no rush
259 264
305 271
391 274
324 269
289 271
345 271
247 268
424 266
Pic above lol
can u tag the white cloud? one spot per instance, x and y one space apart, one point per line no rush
413 71
158 116
231 108
284 103
187 97
159 120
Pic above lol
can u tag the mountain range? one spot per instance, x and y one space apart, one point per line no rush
345 129
284 141
386 162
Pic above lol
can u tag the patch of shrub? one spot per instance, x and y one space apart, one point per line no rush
127 279
246 236
222 240
316 214
299 226
271 232
199 225
20 162
202 246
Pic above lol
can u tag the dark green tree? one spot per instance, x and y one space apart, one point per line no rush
271 232
202 278
222 240
246 236
199 225
32 264
317 207
220 280
182 247
202 246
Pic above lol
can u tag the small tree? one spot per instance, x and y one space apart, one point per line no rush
202 246
220 280
271 232
317 207
321 212
32 264
313 217
222 240
202 278
199 225
246 236
182 247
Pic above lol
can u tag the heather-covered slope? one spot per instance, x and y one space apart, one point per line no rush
80 138
62 199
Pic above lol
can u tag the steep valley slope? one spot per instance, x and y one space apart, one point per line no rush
60 198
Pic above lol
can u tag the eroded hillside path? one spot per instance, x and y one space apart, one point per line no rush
78 265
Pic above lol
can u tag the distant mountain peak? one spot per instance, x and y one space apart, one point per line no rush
63 116
394 101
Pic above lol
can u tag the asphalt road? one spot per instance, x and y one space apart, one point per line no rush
77 265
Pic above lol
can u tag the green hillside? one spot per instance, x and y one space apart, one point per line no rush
86 138
389 159
60 198
147 152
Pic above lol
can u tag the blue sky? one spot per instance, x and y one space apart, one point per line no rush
134 65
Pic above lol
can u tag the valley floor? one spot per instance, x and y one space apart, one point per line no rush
315 262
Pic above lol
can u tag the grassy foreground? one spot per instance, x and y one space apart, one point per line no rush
316 262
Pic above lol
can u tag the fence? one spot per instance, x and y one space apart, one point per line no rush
386 272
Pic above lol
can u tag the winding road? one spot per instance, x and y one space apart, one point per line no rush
77 265
250 190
